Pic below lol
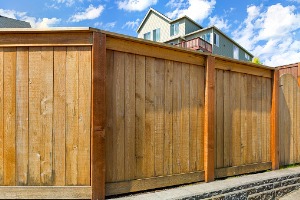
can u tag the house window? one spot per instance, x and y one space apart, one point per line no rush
216 39
206 37
147 36
235 52
174 29
156 34
247 56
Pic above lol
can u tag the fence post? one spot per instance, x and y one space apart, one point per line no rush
98 116
275 121
299 74
209 165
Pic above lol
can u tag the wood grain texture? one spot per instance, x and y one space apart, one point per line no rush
84 123
45 39
59 116
46 192
22 126
98 120
151 183
274 122
1 114
9 123
209 120
299 74
130 164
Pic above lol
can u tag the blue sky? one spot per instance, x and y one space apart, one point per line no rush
269 29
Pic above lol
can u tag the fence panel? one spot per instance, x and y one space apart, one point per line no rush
154 122
45 100
289 115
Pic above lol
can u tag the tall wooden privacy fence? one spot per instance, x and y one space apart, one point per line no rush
86 113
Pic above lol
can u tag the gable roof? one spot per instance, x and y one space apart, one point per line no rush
165 18
6 22
148 13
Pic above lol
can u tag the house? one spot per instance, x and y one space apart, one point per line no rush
185 32
6 22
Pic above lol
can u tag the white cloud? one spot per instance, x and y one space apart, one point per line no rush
135 5
271 33
68 3
191 9
34 22
131 24
219 23
106 26
90 13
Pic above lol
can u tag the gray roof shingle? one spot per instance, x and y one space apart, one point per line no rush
6 22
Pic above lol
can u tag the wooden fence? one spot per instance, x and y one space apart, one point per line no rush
86 113
289 114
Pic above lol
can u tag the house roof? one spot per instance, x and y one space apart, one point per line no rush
165 18
6 22
213 27
148 13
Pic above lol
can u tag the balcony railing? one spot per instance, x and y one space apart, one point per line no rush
196 44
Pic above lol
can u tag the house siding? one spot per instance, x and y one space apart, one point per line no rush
226 48
190 27
181 29
199 34
153 22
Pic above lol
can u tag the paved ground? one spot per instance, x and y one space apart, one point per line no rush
189 190
292 196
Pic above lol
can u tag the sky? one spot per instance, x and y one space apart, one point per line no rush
269 29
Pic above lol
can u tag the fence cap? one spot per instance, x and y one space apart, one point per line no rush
51 29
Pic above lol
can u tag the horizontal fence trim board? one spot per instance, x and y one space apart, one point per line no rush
45 45
243 169
243 68
152 183
46 39
150 50
45 192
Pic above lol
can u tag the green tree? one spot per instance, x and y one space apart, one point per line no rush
256 60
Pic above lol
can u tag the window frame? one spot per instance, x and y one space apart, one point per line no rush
236 52
147 34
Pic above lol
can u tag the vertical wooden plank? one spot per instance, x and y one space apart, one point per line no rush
159 116
168 146
254 119
185 136
150 117
84 106
219 151
295 102
72 116
177 118
298 74
46 103
244 119
209 120
235 97
59 116
259 118
274 121
22 115
193 117
98 116
282 121
268 116
1 114
200 117
250 158
109 142
227 119
143 135
130 161
118 115
264 141
9 125
35 132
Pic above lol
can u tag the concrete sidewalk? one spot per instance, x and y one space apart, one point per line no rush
292 196
199 188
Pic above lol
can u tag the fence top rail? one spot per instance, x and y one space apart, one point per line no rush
288 66
74 30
